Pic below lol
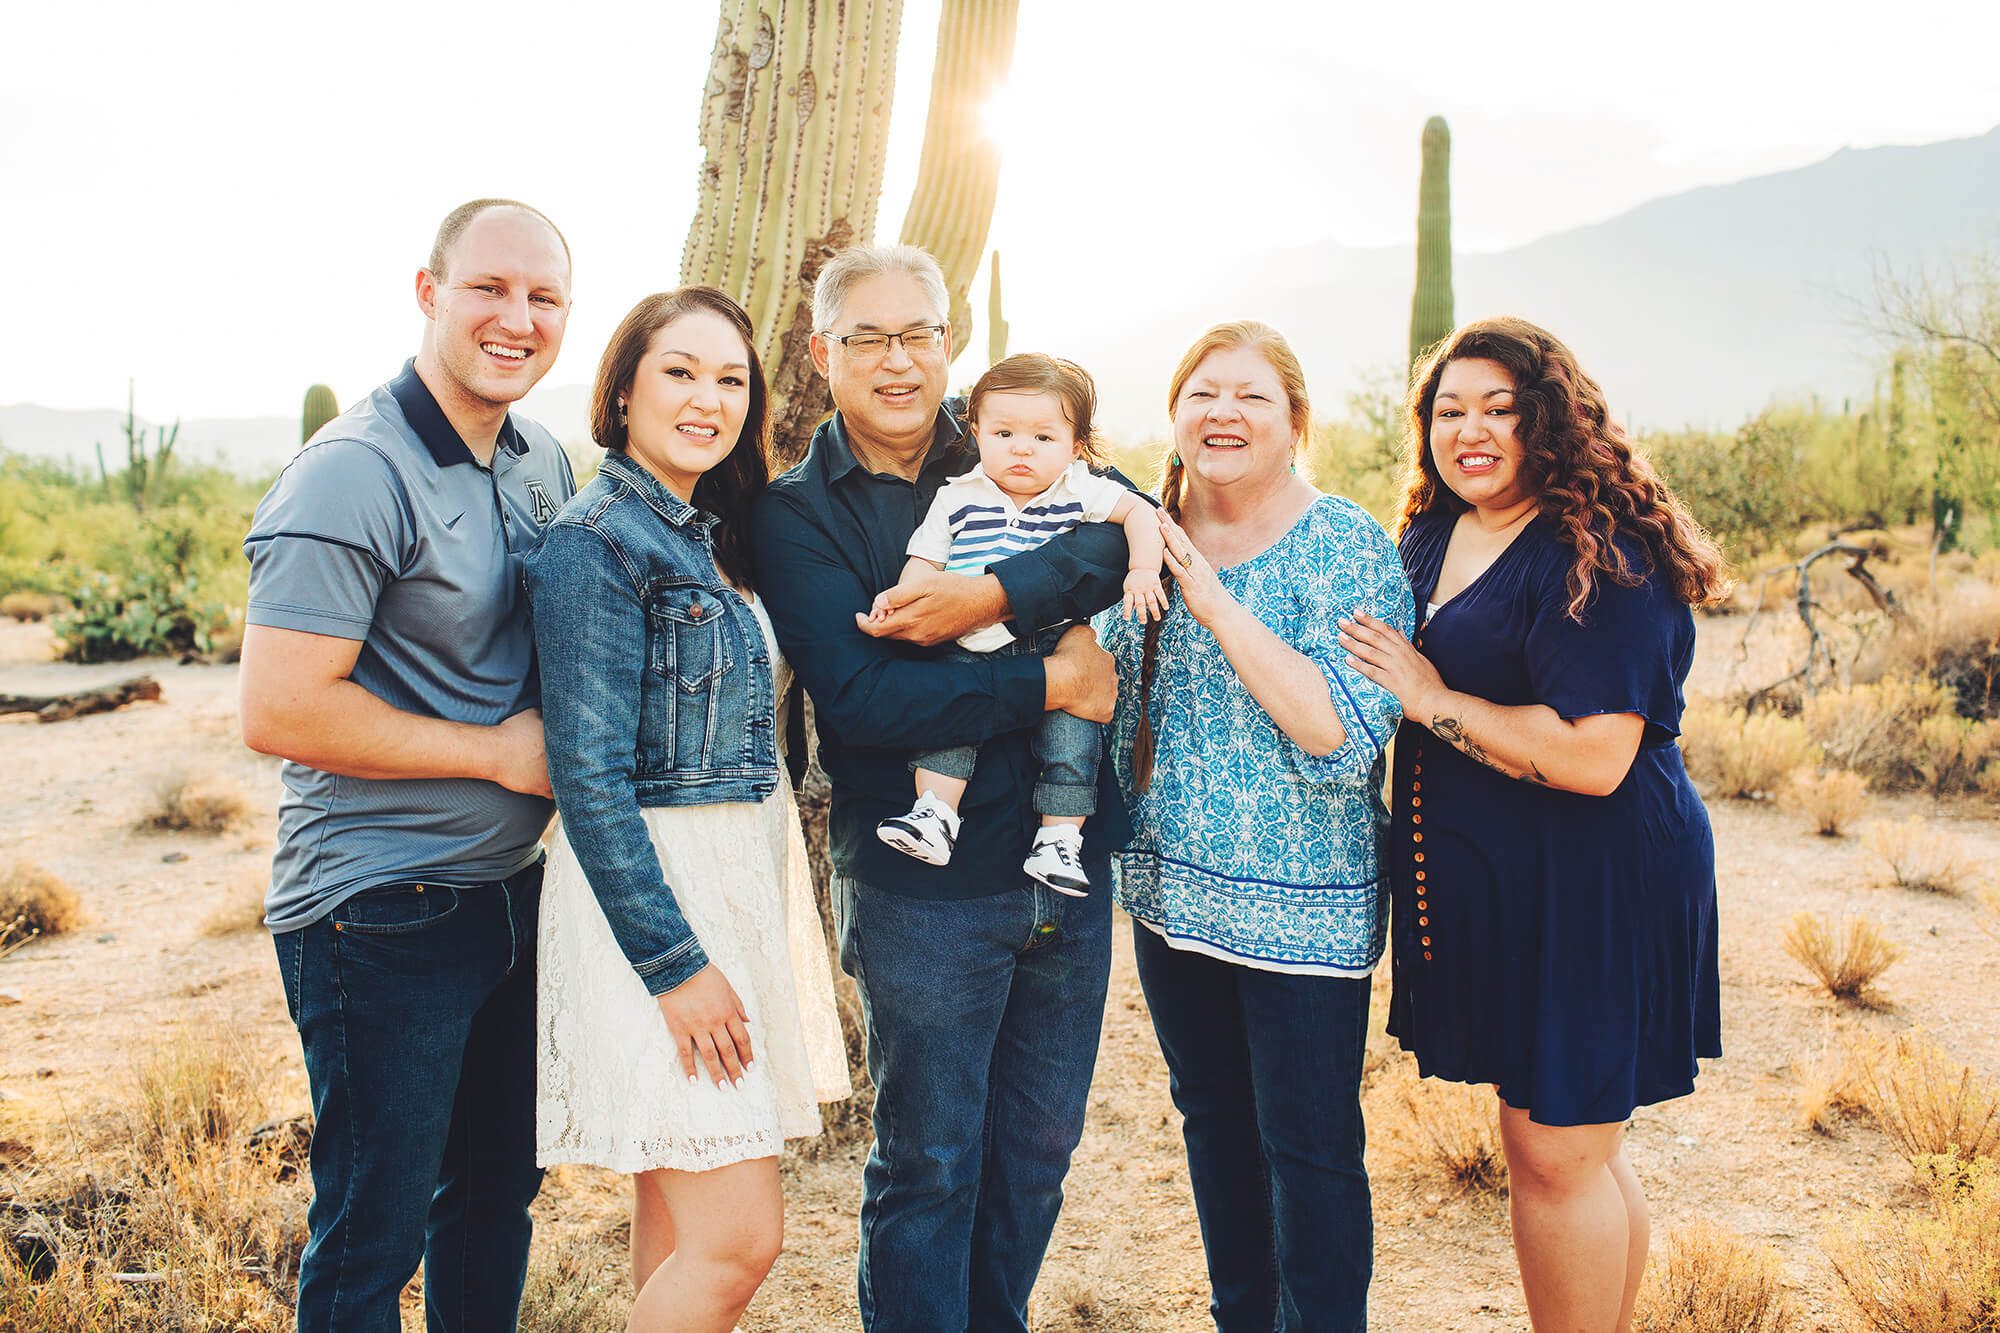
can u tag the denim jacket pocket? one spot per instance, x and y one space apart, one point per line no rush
689 646
395 909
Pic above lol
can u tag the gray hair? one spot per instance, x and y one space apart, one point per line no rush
857 262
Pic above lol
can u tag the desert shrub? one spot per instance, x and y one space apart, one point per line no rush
1847 957
1927 1103
1830 799
1951 635
35 902
1828 1086
1737 755
1920 856
142 614
198 803
239 905
1950 752
1457 1131
1709 1280
1743 487
1935 1270
178 1195
29 606
567 1292
1869 728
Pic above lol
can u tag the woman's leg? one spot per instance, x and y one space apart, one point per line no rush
1572 1229
1198 1018
652 1228
1307 1036
1638 1231
728 1226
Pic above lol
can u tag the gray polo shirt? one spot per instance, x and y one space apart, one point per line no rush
387 530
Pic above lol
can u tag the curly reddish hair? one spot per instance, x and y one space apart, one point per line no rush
1578 463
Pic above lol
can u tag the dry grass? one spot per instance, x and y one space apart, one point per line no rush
179 1222
1737 755
1904 733
34 902
1935 1270
1929 1104
239 905
27 607
1830 799
198 803
1709 1280
1455 1133
1830 1087
568 1291
1953 754
1921 856
1846 956
1072 1305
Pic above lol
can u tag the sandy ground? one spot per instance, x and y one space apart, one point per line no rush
77 1011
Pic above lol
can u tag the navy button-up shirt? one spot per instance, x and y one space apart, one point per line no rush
827 537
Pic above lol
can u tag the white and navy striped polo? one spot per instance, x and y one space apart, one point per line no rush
973 524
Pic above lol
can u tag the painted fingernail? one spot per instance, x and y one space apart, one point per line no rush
693 1078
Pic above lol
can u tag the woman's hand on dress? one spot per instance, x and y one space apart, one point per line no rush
1201 589
1379 651
708 1020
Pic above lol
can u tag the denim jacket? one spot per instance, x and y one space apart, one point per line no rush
656 691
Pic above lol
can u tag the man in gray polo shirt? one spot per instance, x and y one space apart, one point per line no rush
389 659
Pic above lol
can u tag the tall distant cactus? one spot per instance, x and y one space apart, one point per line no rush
996 326
1430 307
794 121
958 174
320 407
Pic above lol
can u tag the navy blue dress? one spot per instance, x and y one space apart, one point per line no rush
1558 945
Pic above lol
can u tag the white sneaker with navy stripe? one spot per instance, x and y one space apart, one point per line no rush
1057 860
928 832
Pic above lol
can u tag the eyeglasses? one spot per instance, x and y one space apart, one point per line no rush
922 338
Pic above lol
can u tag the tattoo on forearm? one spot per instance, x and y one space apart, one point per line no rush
1453 733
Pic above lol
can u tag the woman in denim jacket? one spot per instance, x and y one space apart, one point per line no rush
686 1018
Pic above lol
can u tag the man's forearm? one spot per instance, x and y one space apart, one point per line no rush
339 727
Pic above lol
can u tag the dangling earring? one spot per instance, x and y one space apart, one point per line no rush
621 411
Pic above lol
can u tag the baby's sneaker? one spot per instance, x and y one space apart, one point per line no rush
1057 860
928 832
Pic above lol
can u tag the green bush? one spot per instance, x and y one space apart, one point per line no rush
143 614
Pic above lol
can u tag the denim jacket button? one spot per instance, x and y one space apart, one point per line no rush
694 610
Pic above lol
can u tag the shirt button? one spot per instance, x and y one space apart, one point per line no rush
1423 920
1427 941
1420 855
1427 955
1416 770
1416 801
1416 837
1423 906
1420 877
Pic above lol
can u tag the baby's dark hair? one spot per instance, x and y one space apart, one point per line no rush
1034 372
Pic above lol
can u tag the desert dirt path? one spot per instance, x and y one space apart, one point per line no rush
79 1010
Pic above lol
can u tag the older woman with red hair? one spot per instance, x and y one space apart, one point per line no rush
1552 867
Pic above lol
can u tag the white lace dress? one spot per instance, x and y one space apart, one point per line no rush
611 1091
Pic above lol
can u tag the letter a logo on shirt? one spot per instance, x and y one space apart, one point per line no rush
544 507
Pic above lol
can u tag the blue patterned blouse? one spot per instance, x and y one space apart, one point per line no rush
1245 847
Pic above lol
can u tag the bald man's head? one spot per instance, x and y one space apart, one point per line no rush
456 221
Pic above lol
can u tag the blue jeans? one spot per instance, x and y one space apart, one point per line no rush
416 1008
983 1017
1266 1070
1068 747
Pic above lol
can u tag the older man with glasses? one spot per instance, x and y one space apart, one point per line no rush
983 991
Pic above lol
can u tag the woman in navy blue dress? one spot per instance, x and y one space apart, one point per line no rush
1552 867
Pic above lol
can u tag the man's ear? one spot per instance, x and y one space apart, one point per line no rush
948 331
427 293
821 350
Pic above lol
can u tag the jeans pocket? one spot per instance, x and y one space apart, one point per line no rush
395 909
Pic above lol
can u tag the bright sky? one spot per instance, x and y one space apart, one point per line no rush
228 199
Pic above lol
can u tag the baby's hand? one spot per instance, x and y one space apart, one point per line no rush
1145 599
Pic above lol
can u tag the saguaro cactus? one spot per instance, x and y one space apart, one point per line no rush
1430 307
996 327
958 174
794 120
320 407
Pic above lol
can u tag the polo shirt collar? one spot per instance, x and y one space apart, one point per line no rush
671 507
420 408
837 451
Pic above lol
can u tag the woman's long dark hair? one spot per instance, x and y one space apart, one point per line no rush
1577 462
731 487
